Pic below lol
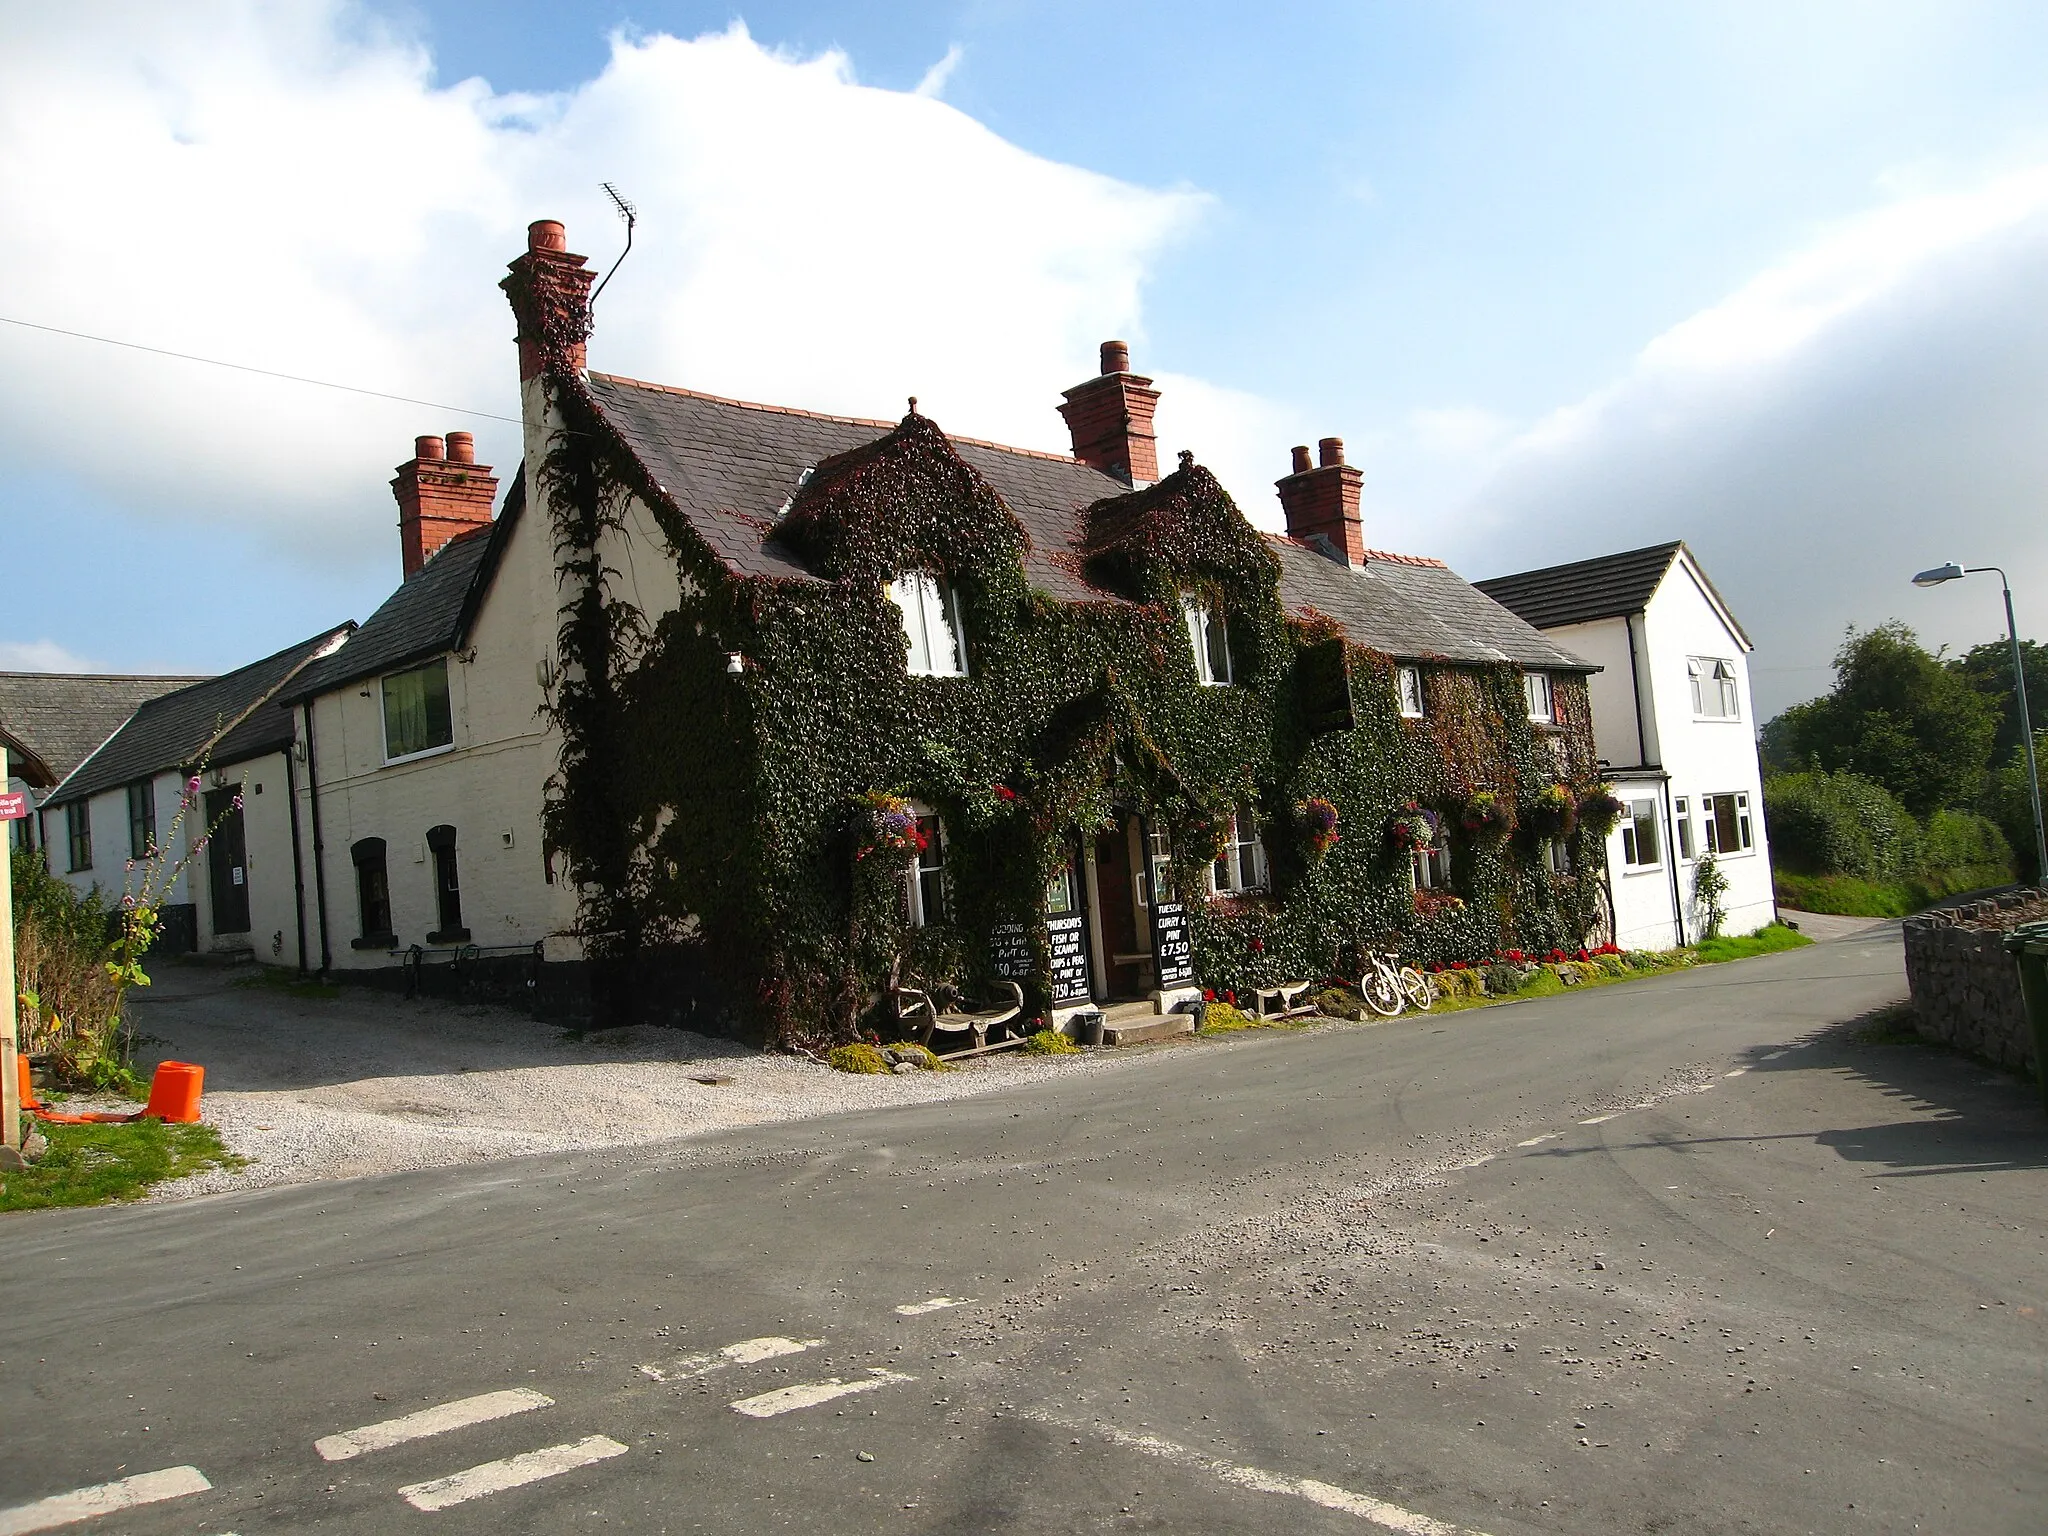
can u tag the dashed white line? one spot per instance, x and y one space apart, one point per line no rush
1600 1119
1537 1141
812 1393
429 1421
104 1499
512 1472
1387 1516
1736 1073
1478 1162
935 1304
746 1352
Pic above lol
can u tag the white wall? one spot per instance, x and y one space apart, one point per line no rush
1707 756
1610 690
267 868
1643 903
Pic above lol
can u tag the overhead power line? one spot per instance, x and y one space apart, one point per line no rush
268 373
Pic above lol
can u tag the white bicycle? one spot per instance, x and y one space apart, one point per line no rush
1390 986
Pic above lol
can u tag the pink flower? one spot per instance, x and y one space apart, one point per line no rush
192 785
238 802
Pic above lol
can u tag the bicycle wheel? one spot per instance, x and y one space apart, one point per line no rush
1382 992
1418 988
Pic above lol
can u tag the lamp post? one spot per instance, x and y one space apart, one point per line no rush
1952 572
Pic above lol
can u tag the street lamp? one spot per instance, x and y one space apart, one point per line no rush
1951 572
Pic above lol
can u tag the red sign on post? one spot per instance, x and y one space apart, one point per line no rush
13 806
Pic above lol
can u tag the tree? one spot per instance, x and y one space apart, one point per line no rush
1897 715
1988 669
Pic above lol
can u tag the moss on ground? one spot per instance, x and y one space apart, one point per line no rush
1050 1042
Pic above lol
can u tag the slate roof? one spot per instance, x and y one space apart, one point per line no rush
428 615
59 718
1610 587
732 467
221 719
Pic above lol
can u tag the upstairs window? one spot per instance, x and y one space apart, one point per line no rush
1726 821
1210 638
78 832
1241 867
1639 848
931 624
1714 695
1536 693
416 714
1408 689
447 888
926 878
141 820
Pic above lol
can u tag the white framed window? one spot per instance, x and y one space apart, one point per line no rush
1557 856
1640 847
1210 637
931 625
1159 868
1714 694
1536 693
1725 819
417 719
1408 689
1429 869
1681 811
1242 864
925 879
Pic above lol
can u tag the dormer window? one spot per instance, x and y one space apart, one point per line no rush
1211 641
931 624
1536 691
1408 688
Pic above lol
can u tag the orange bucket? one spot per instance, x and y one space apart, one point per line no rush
174 1093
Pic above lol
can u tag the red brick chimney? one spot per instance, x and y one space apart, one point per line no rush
1322 503
550 293
441 492
1111 419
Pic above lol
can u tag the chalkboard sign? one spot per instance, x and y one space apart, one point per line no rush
1069 936
1009 950
1171 946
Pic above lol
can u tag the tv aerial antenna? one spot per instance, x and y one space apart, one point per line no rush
632 217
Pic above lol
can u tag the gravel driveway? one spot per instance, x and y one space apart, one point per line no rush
367 1082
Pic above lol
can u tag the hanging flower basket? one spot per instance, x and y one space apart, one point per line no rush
1318 825
1555 813
1599 809
1413 827
887 825
1488 814
1430 903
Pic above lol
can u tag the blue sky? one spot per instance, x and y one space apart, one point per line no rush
1569 278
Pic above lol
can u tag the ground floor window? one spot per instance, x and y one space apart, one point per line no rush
1241 866
1557 856
447 886
78 833
1429 869
1726 823
141 820
373 893
1639 848
926 877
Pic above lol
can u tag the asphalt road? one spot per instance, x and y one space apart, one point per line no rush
1703 1253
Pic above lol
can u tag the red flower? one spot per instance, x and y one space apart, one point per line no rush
1516 956
1208 994
1230 998
1258 946
1004 792
1582 955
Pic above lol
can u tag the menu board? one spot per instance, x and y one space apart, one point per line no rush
1069 936
1009 949
1170 944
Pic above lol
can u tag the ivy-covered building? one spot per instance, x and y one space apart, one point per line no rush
842 700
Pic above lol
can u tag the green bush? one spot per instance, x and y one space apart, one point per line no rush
1767 940
1962 840
1847 896
1503 980
860 1057
1220 1017
1839 824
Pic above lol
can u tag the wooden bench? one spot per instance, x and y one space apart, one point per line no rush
914 1006
1283 1001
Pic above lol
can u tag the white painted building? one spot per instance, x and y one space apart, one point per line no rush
1674 727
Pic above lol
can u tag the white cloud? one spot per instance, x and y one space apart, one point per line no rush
40 656
1867 407
284 185
933 82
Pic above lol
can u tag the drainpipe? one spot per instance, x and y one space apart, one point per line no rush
291 789
1671 861
319 845
1635 691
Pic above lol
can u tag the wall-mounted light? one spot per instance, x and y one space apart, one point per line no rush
735 663
544 673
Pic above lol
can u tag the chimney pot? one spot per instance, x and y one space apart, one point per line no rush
435 505
1116 357
426 448
461 447
1301 460
1110 417
547 235
1331 449
1322 503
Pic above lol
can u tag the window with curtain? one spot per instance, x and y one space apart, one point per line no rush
1210 637
1242 864
1429 869
1536 692
931 625
1726 821
416 714
926 878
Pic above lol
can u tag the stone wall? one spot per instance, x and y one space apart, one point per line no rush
1966 988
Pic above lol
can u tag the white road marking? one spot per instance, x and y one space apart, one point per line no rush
812 1393
936 1304
1478 1162
512 1472
1537 1141
1328 1495
105 1499
746 1352
1736 1073
1600 1119
429 1421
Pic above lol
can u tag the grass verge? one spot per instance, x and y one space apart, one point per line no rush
1851 896
98 1164
1767 940
276 978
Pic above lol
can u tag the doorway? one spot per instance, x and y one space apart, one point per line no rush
1126 946
227 862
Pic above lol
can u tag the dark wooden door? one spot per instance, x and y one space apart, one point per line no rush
1127 954
227 862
